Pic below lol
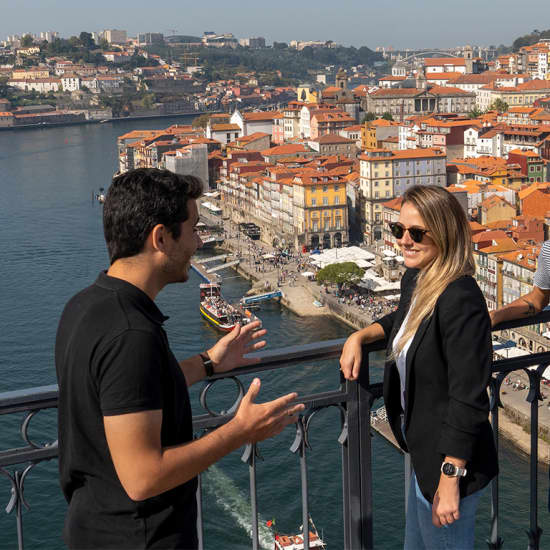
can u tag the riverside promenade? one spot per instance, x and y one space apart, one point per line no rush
299 293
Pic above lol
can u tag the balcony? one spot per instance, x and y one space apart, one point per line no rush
353 423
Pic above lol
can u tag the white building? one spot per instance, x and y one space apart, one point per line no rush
191 159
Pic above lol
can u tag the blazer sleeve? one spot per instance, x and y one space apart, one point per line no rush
466 341
407 286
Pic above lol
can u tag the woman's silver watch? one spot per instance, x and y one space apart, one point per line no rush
451 470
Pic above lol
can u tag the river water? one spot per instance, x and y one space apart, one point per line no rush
51 246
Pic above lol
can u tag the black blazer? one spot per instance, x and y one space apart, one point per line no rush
446 400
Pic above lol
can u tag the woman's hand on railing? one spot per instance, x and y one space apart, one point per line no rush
350 360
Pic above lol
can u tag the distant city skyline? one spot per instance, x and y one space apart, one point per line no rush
406 24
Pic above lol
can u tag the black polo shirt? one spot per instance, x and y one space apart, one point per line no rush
112 357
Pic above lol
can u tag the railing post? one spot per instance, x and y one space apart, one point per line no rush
357 463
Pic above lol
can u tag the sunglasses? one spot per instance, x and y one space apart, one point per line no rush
416 233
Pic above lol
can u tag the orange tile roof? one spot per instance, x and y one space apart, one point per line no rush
287 149
261 116
224 127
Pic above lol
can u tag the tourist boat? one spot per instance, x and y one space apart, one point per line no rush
218 312
296 542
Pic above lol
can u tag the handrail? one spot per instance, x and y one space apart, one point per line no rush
353 399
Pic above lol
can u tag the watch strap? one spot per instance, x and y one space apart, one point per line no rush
207 364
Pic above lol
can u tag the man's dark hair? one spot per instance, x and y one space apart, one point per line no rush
140 199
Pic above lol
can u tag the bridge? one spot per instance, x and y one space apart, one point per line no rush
351 401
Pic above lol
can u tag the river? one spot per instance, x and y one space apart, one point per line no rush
52 246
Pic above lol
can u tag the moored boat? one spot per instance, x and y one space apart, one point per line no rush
220 313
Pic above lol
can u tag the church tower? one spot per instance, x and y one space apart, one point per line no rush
469 59
342 79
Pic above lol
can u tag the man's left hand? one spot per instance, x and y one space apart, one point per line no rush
228 352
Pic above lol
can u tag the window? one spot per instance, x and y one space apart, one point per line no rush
336 199
375 184
336 187
387 193
228 136
325 201
313 202
376 195
325 188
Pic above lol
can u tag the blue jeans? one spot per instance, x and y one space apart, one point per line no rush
422 534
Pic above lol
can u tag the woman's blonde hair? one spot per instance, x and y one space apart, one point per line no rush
448 227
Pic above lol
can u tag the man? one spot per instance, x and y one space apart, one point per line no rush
533 302
128 462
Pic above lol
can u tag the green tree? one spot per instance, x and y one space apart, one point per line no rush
86 40
201 121
387 116
345 272
368 117
27 41
104 45
498 105
475 113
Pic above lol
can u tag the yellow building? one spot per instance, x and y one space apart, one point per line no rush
307 93
320 210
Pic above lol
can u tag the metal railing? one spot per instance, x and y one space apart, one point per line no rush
354 401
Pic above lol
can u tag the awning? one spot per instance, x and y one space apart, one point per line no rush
389 253
546 334
268 256
308 274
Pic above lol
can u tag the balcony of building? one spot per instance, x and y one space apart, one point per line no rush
356 417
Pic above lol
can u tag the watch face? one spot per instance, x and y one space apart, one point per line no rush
449 469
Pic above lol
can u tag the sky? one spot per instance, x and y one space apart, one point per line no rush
372 23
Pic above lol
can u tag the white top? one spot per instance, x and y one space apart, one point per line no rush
542 275
401 361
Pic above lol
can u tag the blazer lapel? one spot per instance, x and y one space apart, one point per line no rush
410 356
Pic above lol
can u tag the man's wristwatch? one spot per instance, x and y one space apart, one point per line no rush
207 363
449 469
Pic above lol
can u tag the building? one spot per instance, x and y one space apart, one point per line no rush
330 144
320 210
191 159
224 133
115 36
403 102
150 38
253 43
252 122
387 174
495 208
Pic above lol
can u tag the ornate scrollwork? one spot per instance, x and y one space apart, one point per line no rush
17 481
234 406
303 425
25 428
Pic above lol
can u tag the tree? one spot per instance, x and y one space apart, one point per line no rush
280 45
475 113
27 41
345 272
86 40
201 121
498 105
387 116
368 117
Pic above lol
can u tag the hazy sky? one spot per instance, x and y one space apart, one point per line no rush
398 23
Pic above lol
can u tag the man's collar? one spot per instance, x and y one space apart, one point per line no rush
143 302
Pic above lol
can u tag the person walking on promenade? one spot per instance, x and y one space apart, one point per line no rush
438 366
533 302
127 458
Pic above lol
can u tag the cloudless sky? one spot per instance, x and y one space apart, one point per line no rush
397 23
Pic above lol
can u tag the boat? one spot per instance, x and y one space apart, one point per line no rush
296 542
220 313
209 240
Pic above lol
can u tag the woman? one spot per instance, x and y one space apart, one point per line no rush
438 367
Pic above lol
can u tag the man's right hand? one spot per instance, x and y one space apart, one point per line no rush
259 421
